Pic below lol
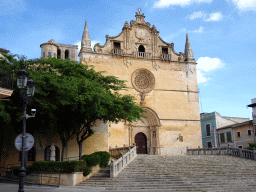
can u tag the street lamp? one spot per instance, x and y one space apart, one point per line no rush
26 88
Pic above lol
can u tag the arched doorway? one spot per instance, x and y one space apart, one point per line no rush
141 143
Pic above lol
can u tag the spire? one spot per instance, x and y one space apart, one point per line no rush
188 51
86 41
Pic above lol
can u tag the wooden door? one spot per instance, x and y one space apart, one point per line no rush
141 143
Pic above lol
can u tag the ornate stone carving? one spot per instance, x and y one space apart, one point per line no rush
127 63
143 80
155 65
140 34
142 96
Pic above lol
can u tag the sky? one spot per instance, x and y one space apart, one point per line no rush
221 34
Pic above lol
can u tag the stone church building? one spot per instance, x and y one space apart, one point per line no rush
163 82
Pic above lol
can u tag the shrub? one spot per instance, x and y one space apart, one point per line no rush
105 157
86 171
93 159
84 157
16 170
252 145
56 166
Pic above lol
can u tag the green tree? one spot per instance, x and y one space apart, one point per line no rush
70 97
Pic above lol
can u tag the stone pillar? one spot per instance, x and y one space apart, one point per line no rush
151 140
53 155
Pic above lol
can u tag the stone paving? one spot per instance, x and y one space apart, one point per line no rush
180 173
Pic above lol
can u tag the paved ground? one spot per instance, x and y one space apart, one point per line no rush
10 187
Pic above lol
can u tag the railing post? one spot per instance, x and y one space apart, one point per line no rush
240 153
198 150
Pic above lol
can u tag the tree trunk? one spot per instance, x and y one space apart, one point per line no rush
80 149
64 145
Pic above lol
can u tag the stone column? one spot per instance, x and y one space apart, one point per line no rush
151 140
53 155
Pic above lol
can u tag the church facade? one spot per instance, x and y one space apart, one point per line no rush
163 82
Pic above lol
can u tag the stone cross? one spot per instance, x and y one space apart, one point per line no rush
53 155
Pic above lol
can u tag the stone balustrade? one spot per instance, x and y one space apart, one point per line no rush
116 152
117 51
237 152
117 166
142 55
166 57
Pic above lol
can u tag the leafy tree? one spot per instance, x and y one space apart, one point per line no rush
70 97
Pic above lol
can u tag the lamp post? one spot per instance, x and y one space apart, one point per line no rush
26 88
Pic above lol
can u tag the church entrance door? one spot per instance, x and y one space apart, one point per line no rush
141 143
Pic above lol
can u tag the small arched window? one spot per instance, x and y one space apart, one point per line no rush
58 53
66 54
47 153
141 48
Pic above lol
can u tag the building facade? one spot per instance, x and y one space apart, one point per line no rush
58 50
163 82
211 123
238 135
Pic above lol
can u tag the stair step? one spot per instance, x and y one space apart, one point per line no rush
180 173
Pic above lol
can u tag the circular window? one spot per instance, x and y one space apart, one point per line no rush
143 80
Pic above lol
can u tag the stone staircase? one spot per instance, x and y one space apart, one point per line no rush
180 173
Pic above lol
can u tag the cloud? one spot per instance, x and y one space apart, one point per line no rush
198 14
167 3
200 30
245 5
10 7
215 17
201 78
206 65
79 46
93 42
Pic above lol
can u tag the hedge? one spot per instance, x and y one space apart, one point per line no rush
100 157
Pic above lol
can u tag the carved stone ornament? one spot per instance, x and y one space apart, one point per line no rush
142 101
140 34
143 80
127 63
155 66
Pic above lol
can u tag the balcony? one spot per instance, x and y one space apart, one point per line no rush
6 83
142 55
116 51
166 57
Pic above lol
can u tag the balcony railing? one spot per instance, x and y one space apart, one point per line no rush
117 51
141 55
6 79
166 57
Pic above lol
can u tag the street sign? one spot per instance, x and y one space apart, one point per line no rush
29 142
